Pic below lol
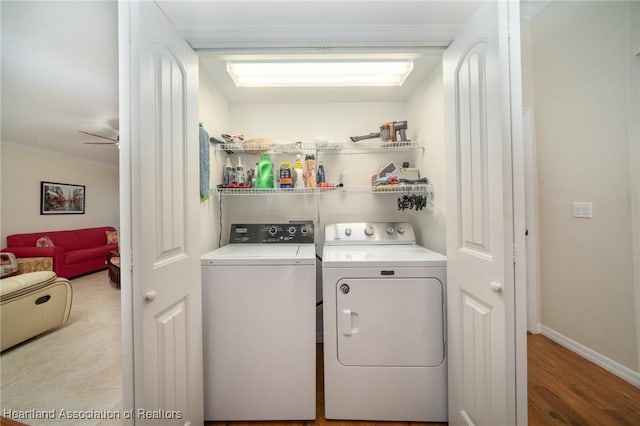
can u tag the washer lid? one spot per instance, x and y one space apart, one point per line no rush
380 255
261 254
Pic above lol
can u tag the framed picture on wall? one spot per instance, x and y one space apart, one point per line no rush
61 198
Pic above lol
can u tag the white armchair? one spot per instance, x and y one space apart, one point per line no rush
31 304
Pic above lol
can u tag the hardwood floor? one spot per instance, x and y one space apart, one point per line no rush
564 389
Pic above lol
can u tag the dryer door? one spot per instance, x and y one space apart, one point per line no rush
390 322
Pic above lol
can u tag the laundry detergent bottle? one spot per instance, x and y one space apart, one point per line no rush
265 172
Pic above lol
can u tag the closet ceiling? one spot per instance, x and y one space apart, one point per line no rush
60 61
241 29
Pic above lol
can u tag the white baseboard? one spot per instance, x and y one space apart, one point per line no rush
535 329
597 358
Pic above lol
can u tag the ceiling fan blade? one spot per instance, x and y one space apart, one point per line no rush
115 140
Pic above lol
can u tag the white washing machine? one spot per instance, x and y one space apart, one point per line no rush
384 325
259 307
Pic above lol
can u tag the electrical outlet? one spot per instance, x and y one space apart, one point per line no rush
583 209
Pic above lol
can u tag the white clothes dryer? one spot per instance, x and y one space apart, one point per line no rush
384 325
259 313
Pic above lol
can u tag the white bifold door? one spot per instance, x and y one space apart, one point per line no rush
162 319
480 80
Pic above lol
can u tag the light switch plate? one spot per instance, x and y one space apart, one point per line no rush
583 209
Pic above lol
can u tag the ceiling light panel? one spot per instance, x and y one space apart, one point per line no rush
319 74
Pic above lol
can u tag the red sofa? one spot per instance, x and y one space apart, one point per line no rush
75 252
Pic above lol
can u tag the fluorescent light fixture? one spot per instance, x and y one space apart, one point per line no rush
319 74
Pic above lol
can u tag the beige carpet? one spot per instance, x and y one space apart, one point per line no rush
75 368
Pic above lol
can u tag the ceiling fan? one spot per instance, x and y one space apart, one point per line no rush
113 141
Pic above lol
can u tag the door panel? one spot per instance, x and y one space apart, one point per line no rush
471 149
171 185
390 322
159 161
172 328
475 348
480 288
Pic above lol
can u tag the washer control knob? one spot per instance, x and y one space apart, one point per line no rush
368 230
273 230
344 288
292 230
347 232
304 230
390 229
401 229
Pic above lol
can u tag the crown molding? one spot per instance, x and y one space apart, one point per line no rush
316 37
42 151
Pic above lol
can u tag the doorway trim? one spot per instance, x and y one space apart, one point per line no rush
531 221
318 37
126 280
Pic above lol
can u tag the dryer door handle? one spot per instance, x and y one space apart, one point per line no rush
347 322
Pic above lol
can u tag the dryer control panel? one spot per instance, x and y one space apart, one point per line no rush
259 233
369 233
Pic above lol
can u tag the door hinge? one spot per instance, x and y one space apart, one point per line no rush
514 253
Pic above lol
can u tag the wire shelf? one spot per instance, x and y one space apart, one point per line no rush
391 189
367 146
268 148
267 191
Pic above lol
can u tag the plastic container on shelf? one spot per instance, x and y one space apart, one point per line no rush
264 179
240 179
321 177
309 173
285 180
227 177
298 176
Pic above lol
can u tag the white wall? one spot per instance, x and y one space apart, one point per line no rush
580 87
304 121
284 123
23 168
214 116
426 117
